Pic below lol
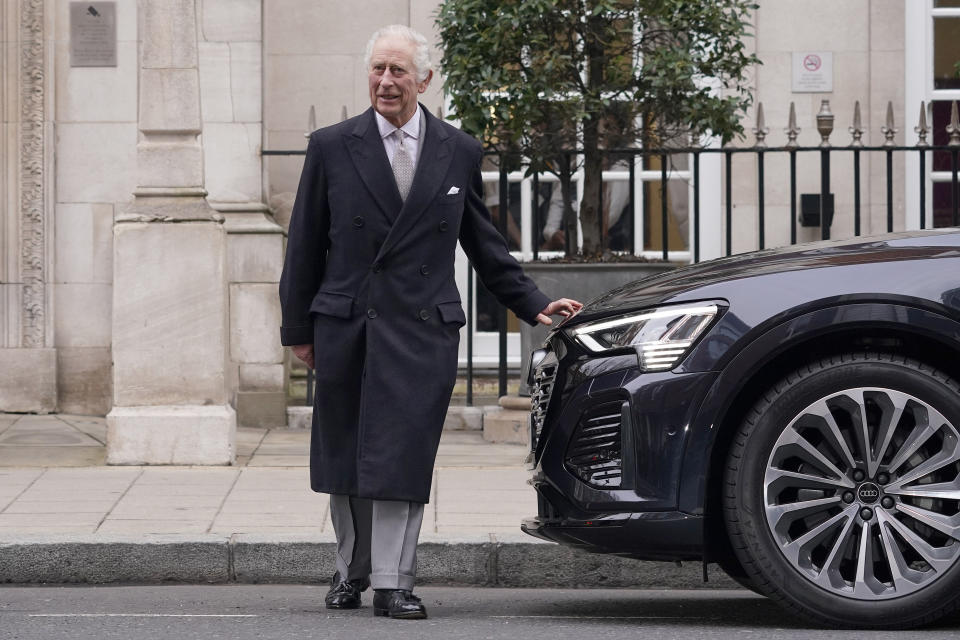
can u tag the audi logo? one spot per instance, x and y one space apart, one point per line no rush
868 493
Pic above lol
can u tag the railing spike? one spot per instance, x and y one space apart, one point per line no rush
921 129
343 113
792 129
953 129
857 129
440 112
761 130
889 131
311 121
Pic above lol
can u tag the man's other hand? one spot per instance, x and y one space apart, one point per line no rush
563 306
304 352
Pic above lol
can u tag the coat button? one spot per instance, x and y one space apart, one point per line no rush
377 267
358 222
371 313
443 225
424 270
424 314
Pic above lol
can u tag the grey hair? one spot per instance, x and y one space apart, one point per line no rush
421 54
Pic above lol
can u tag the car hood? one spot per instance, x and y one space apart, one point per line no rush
684 282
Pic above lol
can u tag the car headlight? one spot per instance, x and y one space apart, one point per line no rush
661 336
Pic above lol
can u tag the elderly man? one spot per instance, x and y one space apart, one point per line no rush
369 300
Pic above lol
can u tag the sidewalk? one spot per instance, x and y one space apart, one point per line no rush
66 517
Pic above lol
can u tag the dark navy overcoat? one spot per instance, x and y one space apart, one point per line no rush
369 280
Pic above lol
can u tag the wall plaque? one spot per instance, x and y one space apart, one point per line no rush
93 34
812 72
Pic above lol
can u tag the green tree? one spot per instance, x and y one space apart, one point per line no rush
533 78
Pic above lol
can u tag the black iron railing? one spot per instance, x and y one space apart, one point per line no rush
942 158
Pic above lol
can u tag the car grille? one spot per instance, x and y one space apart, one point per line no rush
594 454
543 379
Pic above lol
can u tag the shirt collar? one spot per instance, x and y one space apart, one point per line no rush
411 128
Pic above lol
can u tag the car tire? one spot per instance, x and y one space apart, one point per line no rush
839 523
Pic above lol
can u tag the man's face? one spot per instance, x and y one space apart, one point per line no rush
393 79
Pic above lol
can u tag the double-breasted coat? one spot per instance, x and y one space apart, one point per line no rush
369 280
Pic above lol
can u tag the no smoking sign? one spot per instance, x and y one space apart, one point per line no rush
811 62
812 72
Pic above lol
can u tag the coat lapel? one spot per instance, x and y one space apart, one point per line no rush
370 160
431 169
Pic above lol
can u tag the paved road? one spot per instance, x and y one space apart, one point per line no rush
241 612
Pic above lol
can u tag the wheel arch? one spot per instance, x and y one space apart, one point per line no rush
925 336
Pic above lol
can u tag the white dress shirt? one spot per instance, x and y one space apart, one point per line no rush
411 139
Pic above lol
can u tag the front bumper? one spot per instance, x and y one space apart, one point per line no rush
652 535
624 499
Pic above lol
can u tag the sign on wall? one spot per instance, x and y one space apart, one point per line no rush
812 72
93 34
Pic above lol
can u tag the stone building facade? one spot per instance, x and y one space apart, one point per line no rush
142 229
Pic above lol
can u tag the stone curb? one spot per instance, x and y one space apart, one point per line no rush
477 560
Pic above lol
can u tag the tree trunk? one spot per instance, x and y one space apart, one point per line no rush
590 209
569 225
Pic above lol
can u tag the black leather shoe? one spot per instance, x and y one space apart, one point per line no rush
345 594
398 603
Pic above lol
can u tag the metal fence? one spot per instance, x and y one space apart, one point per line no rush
939 154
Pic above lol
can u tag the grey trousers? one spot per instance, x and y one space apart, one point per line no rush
377 538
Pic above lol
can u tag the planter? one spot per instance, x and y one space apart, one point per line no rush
582 282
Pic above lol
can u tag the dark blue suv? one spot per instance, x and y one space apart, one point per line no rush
791 415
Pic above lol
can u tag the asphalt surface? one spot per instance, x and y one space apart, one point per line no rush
241 612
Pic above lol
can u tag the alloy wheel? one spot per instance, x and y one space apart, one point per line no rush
862 493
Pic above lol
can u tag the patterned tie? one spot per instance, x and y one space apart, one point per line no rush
402 166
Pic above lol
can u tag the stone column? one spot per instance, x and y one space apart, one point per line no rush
231 49
28 361
170 304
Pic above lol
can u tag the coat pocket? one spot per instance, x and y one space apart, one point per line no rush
451 198
452 312
338 305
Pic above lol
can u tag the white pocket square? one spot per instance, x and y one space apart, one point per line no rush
453 191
